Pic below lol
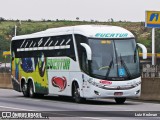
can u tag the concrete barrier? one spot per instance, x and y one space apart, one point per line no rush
5 80
150 89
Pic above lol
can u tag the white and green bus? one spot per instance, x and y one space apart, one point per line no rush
84 62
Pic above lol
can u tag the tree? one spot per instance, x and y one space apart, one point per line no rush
112 20
29 20
4 46
2 19
77 18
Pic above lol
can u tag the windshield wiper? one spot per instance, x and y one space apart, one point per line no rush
109 69
135 56
124 64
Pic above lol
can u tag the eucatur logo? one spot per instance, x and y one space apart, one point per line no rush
59 82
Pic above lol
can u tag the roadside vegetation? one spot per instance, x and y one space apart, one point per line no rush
7 30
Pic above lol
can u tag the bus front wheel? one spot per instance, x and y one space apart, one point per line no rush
76 93
120 100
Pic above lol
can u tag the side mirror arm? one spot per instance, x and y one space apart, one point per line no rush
144 50
88 50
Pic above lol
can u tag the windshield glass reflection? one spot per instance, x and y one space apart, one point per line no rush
113 59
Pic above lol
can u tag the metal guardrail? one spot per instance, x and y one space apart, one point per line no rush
150 71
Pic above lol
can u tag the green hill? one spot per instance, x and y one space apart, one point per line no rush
26 27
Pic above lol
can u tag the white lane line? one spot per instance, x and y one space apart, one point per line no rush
29 99
14 108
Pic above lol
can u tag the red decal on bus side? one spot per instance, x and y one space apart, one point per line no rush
59 82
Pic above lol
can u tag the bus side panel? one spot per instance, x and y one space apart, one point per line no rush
62 71
35 69
41 78
30 68
58 75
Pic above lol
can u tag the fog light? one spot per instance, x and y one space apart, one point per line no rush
96 92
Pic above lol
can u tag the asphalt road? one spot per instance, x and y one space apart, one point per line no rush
59 108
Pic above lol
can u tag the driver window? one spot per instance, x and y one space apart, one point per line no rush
84 61
82 53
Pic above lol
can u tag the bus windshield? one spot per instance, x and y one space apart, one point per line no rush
114 59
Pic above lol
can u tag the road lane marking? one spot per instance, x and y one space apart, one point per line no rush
14 108
29 99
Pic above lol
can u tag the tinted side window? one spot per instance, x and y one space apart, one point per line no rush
82 52
53 46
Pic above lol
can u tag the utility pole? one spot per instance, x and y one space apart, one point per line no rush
153 46
15 30
5 62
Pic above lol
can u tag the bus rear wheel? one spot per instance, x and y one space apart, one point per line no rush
31 90
25 90
76 93
120 100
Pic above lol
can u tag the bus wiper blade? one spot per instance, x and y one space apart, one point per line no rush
109 69
124 64
135 59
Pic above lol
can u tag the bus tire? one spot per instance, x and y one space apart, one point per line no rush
31 90
25 90
76 93
120 100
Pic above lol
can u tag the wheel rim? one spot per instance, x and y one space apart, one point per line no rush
24 89
76 92
31 90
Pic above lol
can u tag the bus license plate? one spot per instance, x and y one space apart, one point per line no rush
118 93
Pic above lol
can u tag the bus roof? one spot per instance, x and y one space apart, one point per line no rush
94 31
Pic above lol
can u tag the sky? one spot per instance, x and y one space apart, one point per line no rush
100 10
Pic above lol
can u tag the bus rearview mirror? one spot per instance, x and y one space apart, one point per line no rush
88 50
144 50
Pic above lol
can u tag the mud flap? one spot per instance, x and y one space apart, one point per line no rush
16 85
